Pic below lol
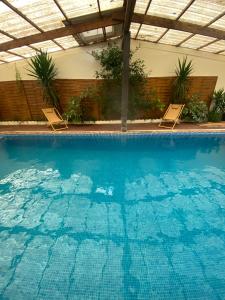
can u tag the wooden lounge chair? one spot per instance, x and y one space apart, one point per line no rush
54 118
172 115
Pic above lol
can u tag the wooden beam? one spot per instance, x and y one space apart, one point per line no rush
129 10
125 81
72 29
178 25
100 14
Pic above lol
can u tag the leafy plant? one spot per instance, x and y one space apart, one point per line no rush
195 110
218 101
111 62
214 116
181 83
78 111
44 70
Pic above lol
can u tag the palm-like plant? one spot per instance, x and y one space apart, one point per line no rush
181 83
44 70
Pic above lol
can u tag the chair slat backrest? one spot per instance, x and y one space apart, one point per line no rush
173 112
51 115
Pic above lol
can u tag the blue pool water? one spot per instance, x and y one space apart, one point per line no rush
112 217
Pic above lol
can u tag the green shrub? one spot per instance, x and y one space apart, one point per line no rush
77 110
214 116
218 101
74 111
111 67
195 110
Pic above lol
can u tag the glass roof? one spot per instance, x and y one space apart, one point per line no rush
203 11
22 18
174 37
167 8
197 41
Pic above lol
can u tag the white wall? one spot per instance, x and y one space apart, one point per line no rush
160 60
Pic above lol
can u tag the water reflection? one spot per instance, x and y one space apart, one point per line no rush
121 225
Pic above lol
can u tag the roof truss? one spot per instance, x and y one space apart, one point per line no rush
75 27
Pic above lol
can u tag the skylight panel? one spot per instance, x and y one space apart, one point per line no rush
133 29
24 51
67 42
77 8
150 33
48 46
174 37
110 4
219 24
215 47
109 29
8 57
167 8
44 14
203 11
141 6
13 24
197 41
4 38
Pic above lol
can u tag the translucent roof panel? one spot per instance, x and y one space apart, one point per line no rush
13 24
197 41
24 51
147 32
203 11
48 46
167 8
133 29
8 57
219 24
95 35
4 38
174 37
110 4
141 6
67 42
77 8
215 47
45 14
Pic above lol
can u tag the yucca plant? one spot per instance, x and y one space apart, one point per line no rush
181 83
218 101
44 70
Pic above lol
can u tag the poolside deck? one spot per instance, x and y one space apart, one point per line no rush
101 128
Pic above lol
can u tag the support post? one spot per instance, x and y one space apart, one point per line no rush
125 81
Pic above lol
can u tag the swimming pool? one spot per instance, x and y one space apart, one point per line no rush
112 217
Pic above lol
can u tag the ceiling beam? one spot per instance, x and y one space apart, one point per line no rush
100 14
178 25
129 10
71 29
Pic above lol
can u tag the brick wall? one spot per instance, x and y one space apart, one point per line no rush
24 102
